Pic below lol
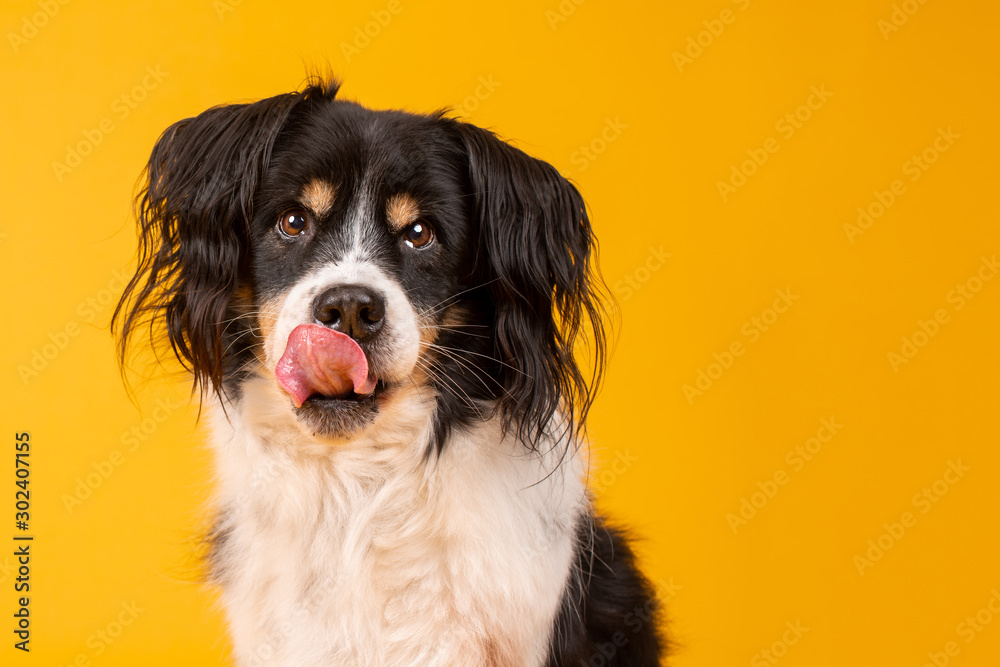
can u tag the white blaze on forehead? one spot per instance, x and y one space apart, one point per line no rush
400 339
360 221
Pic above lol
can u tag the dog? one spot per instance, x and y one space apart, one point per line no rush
380 311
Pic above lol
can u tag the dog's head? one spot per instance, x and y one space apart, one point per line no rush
353 256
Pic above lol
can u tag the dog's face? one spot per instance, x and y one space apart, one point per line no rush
353 257
360 226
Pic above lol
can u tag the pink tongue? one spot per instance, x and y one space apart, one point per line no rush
321 361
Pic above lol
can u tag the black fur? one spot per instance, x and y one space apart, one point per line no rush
193 228
610 616
533 254
512 258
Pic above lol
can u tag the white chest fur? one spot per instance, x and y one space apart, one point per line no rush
370 553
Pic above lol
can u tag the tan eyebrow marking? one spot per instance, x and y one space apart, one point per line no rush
319 196
401 210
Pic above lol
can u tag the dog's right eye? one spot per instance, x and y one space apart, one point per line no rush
293 222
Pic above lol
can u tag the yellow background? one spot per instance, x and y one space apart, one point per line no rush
662 132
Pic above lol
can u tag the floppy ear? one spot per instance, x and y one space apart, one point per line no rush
193 214
534 250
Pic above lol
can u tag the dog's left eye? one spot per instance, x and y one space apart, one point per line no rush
293 222
418 234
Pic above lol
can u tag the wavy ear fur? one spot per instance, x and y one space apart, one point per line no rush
193 214
534 250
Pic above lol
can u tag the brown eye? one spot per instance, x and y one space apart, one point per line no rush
418 234
293 222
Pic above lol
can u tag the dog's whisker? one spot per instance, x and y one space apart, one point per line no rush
454 355
449 384
476 373
447 301
480 354
454 328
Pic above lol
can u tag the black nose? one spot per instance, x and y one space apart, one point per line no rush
350 309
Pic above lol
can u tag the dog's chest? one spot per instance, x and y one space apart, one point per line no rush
391 562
